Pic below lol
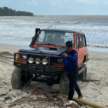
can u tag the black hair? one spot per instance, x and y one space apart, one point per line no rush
69 44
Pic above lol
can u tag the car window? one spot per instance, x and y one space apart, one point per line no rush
77 40
52 37
69 37
81 41
84 40
55 37
41 37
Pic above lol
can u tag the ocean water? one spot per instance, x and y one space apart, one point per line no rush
19 30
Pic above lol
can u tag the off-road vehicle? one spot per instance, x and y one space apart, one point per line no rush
43 60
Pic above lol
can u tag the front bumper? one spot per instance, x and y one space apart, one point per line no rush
44 70
43 73
52 70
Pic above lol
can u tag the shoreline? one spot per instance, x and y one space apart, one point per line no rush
8 48
14 48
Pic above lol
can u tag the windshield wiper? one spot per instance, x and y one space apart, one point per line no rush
49 44
45 43
42 43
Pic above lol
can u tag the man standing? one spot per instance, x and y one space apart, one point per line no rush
71 69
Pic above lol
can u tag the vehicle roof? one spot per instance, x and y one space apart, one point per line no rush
62 30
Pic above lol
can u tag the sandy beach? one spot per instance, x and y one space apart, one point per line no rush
95 89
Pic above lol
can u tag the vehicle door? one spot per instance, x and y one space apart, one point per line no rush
80 44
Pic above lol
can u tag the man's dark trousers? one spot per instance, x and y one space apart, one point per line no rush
73 86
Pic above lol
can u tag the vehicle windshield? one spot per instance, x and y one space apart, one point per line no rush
54 37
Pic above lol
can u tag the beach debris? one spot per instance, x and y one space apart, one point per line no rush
88 103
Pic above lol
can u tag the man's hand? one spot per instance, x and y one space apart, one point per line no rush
65 55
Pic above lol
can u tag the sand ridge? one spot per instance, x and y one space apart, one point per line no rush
95 90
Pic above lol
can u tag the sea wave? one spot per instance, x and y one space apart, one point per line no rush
19 30
98 46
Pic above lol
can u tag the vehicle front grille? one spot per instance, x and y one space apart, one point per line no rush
56 60
53 60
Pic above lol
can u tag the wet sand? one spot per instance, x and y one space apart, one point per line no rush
95 89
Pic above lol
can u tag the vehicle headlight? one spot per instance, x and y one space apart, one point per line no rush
37 60
30 60
45 61
17 56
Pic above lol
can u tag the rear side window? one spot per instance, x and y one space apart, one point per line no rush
81 41
84 40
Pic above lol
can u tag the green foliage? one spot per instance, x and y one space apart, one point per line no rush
5 11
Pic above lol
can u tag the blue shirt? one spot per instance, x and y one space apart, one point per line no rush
70 62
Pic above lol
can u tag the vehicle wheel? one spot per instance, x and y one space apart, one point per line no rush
64 84
18 81
50 83
83 75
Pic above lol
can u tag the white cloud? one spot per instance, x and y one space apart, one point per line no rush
87 1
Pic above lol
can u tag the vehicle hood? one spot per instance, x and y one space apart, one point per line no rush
45 51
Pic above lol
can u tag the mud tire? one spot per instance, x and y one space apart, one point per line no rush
17 79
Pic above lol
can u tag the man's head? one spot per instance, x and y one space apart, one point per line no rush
69 44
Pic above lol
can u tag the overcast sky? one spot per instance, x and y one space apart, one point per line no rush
59 7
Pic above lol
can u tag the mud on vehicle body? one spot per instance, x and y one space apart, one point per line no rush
43 60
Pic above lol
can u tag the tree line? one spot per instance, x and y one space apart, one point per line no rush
5 11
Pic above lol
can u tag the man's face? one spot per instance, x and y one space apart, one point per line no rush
69 49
